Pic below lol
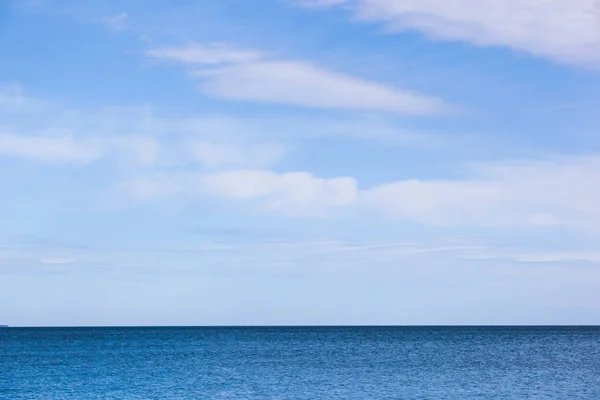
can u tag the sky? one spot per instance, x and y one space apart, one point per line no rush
299 162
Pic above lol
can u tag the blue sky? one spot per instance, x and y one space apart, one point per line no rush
299 162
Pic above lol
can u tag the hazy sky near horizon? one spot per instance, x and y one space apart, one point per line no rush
299 162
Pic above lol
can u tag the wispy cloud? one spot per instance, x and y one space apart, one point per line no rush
58 261
49 149
559 192
274 251
540 194
534 257
43 131
320 3
206 55
11 97
292 193
564 30
284 191
250 76
222 154
233 160
67 147
115 23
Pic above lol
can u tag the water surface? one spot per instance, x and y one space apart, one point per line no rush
451 363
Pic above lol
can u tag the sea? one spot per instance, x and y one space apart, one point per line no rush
438 363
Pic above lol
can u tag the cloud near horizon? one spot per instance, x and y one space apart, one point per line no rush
556 193
550 193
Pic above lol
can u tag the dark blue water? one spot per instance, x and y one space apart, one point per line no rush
300 363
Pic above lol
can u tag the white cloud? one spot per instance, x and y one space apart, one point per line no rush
246 76
58 261
404 249
139 149
592 257
194 158
229 154
11 98
321 3
67 148
305 85
206 55
48 149
563 30
534 257
283 190
116 22
293 193
228 130
41 131
555 193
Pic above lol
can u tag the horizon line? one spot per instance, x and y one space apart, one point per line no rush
311 326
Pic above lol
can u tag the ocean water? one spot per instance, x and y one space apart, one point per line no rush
301 363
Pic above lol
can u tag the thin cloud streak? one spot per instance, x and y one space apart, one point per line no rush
567 31
244 75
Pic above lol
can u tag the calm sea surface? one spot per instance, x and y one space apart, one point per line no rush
300 363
